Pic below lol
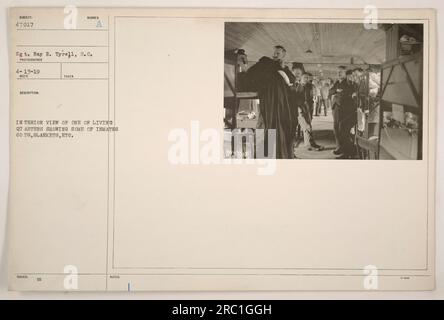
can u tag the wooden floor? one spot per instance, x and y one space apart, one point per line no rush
323 134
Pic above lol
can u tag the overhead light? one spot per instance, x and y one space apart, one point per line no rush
309 51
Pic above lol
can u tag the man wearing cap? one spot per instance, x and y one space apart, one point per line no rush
302 93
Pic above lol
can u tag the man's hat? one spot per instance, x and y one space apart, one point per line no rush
298 65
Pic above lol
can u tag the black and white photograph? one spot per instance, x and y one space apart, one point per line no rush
323 90
152 152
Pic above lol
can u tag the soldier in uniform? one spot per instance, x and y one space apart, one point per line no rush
344 114
302 96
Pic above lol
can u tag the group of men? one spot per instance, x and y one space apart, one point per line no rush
347 97
301 99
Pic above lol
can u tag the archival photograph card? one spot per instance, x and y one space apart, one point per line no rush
221 149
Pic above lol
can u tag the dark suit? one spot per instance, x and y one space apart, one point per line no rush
275 110
342 99
344 115
289 74
301 95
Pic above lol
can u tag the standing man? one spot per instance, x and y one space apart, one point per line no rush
269 79
297 70
302 95
344 114
360 97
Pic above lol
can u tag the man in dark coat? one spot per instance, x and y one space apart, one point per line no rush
344 114
269 79
302 92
